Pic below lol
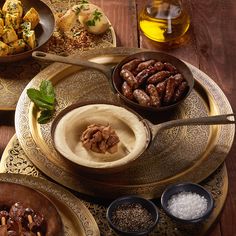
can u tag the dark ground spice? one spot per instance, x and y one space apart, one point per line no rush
132 217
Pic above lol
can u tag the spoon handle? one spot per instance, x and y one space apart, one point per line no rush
72 61
209 120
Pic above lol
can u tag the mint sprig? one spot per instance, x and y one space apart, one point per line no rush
44 99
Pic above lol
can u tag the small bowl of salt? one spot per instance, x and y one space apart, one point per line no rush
187 202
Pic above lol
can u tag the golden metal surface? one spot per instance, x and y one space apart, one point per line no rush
76 218
15 76
14 160
178 154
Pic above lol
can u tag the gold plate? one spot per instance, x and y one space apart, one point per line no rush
14 160
178 154
76 218
15 76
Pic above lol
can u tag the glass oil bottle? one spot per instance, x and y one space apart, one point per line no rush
164 20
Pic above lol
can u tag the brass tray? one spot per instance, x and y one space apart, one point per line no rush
14 160
15 76
184 153
76 218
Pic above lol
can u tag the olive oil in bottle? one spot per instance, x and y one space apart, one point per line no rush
164 20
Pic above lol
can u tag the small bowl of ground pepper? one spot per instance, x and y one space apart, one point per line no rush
132 215
187 203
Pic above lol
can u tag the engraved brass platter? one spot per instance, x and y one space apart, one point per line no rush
14 160
16 75
76 218
178 154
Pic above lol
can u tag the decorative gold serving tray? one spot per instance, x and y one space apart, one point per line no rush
178 154
14 160
15 76
76 218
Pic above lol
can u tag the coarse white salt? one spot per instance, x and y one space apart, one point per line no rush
187 205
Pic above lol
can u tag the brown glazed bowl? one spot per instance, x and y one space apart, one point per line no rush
158 56
43 30
11 193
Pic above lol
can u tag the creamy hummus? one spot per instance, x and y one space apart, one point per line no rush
132 133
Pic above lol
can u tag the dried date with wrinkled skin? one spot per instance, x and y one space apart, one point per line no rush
155 99
144 74
161 88
131 65
159 65
142 98
127 91
180 91
129 78
158 77
178 79
169 67
170 90
144 65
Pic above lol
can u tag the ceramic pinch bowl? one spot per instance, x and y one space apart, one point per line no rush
187 203
116 76
132 216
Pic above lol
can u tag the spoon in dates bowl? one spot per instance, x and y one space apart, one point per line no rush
116 81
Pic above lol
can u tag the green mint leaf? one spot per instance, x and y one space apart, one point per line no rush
47 91
36 97
45 116
44 99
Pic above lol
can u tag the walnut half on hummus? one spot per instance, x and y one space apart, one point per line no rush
100 138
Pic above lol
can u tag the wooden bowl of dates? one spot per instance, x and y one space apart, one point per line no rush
25 26
152 81
25 211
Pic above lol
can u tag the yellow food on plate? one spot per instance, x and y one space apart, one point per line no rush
29 37
13 6
32 16
67 21
4 49
9 34
17 46
93 19
1 26
17 28
13 19
90 16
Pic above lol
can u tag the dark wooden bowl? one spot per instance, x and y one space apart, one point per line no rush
43 31
187 187
159 56
127 200
11 193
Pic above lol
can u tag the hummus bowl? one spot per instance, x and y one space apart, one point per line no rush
75 134
70 124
